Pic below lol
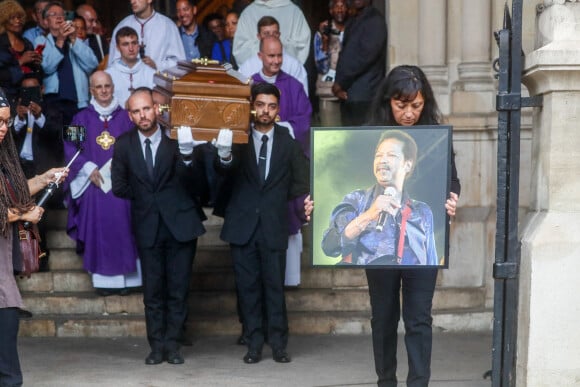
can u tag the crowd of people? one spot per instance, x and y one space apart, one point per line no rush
134 196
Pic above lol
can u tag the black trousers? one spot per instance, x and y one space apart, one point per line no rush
10 373
418 286
259 275
166 274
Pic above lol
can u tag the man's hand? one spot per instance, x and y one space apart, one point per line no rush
224 144
339 92
21 111
186 141
35 108
96 178
385 203
64 32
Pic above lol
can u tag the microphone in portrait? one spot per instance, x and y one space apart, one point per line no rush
391 192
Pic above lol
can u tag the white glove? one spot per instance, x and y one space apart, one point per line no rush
186 141
224 143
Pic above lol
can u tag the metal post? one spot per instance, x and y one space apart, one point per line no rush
507 246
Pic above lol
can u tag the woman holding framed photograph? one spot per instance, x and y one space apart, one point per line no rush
404 98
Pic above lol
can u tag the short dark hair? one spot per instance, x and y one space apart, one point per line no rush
404 83
123 32
38 75
143 89
264 88
266 21
192 3
49 5
232 11
79 17
211 17
409 145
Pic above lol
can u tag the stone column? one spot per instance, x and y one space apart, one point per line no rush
549 312
474 92
432 48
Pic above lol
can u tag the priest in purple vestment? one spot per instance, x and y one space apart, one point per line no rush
98 221
295 112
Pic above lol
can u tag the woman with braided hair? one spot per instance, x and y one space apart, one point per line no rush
16 205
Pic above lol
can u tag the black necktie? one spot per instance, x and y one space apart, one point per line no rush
262 158
149 157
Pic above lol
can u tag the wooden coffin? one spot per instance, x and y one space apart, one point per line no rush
206 97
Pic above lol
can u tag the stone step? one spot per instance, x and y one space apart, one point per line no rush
58 239
62 259
57 219
211 302
65 259
68 275
301 323
207 279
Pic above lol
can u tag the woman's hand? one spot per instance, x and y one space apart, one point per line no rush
451 203
30 57
308 207
54 174
34 215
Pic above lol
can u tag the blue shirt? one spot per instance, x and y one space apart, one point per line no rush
33 33
189 43
419 246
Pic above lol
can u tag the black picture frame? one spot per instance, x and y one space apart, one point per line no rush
342 163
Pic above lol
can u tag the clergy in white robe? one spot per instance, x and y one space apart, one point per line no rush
129 72
294 29
158 36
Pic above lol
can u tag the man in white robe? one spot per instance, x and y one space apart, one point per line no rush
159 38
129 72
295 31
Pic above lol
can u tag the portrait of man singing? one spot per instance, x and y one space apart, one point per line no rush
383 224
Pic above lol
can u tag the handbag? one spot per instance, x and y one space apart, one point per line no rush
29 241
30 251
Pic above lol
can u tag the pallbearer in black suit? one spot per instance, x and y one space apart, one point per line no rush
157 174
266 172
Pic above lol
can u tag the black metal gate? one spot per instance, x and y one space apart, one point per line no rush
509 102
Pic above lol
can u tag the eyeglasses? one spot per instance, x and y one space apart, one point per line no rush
54 14
17 17
8 122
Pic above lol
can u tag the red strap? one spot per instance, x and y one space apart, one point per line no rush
405 213
347 258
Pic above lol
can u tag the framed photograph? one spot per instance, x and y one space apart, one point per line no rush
379 196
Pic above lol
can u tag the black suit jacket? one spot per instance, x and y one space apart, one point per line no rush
363 57
94 45
47 146
168 197
251 202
